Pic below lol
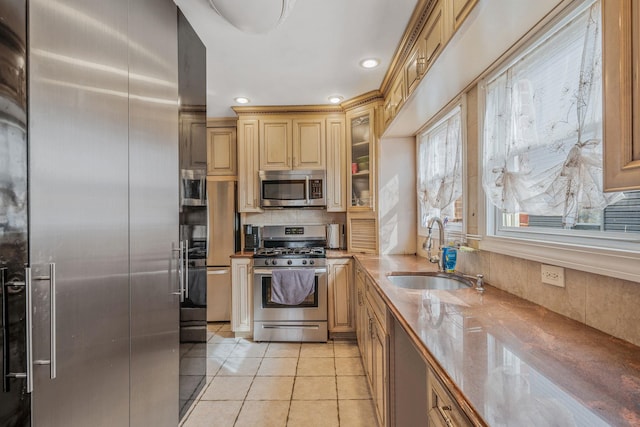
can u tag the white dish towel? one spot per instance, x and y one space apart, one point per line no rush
292 286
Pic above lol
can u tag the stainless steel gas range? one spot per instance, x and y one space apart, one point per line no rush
298 252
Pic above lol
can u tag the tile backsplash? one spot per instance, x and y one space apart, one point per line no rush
294 216
604 303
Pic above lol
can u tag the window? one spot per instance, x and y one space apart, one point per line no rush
542 145
440 173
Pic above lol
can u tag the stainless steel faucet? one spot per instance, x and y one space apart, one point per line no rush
439 259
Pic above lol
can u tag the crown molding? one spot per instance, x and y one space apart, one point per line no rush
221 122
365 98
286 109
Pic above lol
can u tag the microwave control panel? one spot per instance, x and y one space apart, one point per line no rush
315 189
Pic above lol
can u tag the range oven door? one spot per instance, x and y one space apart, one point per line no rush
306 321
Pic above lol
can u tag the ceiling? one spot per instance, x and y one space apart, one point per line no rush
313 54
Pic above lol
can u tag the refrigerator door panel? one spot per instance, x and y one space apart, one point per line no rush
79 209
153 201
222 222
218 294
15 408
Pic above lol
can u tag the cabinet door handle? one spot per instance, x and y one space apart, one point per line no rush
443 412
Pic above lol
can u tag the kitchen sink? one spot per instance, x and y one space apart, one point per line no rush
429 280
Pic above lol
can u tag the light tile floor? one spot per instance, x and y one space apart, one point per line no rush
281 384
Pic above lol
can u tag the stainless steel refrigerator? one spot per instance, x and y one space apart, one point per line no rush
90 284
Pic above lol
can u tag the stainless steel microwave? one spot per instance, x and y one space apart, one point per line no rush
293 189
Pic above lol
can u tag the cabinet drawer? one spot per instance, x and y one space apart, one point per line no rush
377 303
443 411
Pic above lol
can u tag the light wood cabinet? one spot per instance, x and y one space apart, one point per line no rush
309 144
362 229
362 326
341 296
336 165
376 364
361 142
248 165
221 151
414 68
435 34
292 144
193 139
395 99
275 144
460 9
621 68
362 232
241 296
373 341
379 375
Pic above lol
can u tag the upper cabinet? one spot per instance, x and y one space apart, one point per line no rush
221 148
193 138
275 144
292 137
459 11
292 143
336 165
248 163
361 142
430 28
621 51
309 143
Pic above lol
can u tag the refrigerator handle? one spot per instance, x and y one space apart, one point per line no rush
6 354
186 270
29 325
28 375
52 303
180 251
52 319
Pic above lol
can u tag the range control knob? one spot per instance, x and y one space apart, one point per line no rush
311 262
304 262
289 262
274 262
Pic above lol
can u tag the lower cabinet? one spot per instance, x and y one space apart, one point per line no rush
342 316
373 342
241 296
379 377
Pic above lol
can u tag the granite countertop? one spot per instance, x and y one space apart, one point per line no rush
511 362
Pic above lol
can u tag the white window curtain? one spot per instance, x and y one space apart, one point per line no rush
543 125
440 167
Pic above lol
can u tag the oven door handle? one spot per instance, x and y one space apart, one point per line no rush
270 270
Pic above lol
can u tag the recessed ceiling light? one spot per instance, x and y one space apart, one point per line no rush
242 100
369 63
335 99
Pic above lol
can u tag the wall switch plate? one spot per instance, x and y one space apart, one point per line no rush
553 275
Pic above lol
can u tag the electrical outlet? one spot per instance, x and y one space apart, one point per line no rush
553 275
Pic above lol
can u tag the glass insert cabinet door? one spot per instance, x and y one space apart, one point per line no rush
361 143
